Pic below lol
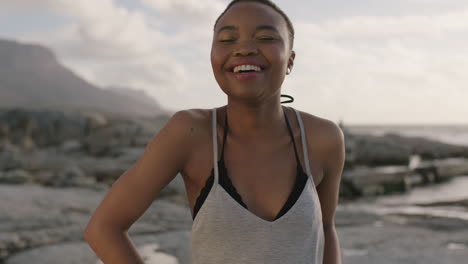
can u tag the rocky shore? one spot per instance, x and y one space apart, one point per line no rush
55 168
45 224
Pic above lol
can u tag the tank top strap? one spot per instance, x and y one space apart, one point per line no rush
226 128
292 138
304 143
215 149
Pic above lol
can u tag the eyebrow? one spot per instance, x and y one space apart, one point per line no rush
262 27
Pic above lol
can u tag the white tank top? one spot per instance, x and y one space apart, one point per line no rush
224 232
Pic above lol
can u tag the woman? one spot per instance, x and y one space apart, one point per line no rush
265 201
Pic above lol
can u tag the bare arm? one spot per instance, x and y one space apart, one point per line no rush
333 149
135 190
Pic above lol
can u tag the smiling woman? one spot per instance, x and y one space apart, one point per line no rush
262 199
266 34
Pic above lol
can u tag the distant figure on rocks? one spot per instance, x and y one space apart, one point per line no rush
262 179
414 161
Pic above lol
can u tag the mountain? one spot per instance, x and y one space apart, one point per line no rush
32 77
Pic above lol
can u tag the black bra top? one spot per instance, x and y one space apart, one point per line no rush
226 183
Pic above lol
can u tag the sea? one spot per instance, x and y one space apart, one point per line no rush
452 134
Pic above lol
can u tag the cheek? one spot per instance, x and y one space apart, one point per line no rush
218 56
278 62
276 54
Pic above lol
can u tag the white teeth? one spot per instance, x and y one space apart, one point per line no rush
247 68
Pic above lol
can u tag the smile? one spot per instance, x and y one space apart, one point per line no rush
245 75
246 68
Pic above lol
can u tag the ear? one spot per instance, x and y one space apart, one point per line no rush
292 56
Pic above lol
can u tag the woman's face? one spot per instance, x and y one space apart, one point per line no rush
253 34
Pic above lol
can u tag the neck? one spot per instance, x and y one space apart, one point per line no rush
247 122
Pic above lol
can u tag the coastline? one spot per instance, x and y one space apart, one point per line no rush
53 177
367 233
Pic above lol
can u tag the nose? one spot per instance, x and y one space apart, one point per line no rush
246 48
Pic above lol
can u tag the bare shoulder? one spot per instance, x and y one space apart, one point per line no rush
321 129
198 120
196 123
324 137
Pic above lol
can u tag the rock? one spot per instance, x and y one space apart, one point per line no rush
71 253
71 146
363 180
447 168
10 156
15 177
376 150
9 242
163 248
28 145
350 216
94 121
389 243
45 127
376 181
4 131
105 170
393 149
36 217
73 177
45 177
46 159
117 135
129 154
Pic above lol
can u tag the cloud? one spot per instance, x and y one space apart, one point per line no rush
360 68
193 10
398 67
373 26
109 44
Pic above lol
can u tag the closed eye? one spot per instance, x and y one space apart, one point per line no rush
266 38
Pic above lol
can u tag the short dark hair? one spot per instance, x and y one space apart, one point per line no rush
270 4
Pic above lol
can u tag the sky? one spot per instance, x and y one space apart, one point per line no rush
361 61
